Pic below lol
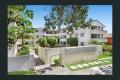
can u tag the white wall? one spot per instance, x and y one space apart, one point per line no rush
51 52
72 55
20 63
85 38
45 54
42 54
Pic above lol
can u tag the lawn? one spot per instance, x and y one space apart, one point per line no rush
28 72
103 56
102 60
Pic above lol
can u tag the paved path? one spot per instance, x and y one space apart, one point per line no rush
66 71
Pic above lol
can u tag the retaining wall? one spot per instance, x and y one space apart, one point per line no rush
70 55
20 63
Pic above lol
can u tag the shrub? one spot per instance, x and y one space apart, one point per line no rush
24 50
51 41
26 43
107 48
95 42
42 41
57 62
107 53
72 41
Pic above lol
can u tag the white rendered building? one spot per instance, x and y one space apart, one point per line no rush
85 35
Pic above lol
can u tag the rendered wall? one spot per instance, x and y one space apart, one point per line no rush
20 63
51 52
42 54
72 55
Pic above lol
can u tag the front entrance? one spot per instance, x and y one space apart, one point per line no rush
54 57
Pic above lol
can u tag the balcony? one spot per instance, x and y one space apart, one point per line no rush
98 31
99 39
50 34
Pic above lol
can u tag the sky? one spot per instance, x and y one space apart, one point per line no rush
102 13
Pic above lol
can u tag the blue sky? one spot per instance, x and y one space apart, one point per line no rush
102 13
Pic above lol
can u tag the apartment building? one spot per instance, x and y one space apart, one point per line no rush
84 35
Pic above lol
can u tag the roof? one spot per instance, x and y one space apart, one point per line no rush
97 23
38 28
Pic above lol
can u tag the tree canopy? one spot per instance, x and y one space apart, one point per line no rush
21 16
70 15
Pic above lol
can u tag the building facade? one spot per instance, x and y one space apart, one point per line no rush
84 35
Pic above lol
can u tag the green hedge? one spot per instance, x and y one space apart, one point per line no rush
107 48
24 50
72 41
107 53
51 41
47 41
95 42
42 41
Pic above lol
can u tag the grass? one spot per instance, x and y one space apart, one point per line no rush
28 72
90 66
86 67
103 56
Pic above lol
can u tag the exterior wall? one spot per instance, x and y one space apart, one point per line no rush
85 38
99 30
51 52
73 55
12 24
13 50
42 54
109 40
20 63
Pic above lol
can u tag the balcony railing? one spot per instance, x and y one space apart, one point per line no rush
99 39
98 31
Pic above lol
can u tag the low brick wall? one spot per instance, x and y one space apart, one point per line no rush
20 63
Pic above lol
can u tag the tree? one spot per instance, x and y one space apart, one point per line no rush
21 16
24 50
70 15
15 12
12 36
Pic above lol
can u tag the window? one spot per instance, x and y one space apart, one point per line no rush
64 36
37 36
82 34
64 43
93 35
76 35
82 43
36 42
61 42
37 30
